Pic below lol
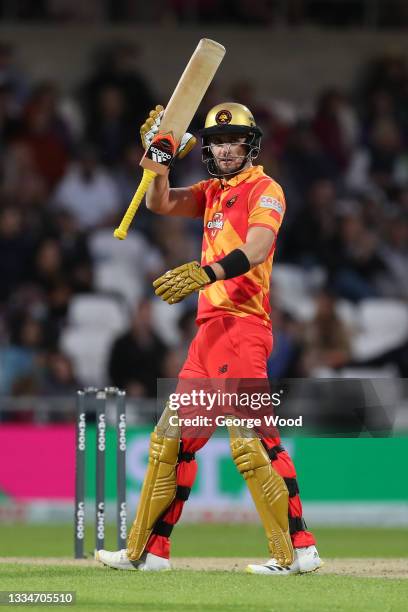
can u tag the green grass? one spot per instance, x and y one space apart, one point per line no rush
106 590
101 589
207 540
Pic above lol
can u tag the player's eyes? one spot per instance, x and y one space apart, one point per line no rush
221 143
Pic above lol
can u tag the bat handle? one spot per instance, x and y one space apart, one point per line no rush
121 231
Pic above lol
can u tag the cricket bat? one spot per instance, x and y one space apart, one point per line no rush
177 116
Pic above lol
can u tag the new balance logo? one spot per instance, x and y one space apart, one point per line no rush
222 369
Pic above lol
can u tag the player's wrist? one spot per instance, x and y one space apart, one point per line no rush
210 273
234 264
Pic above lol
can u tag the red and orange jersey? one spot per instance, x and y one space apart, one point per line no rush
230 208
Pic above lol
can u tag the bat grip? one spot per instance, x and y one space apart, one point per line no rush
121 231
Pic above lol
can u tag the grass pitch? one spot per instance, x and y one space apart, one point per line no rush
207 540
108 590
197 590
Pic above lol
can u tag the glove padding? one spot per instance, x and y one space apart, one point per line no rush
180 282
152 125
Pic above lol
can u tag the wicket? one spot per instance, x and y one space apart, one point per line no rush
91 400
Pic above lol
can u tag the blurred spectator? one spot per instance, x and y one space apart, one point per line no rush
58 376
394 253
16 251
48 265
326 339
357 261
116 68
136 359
303 163
11 77
379 105
313 236
9 120
88 192
282 361
45 133
21 359
74 251
388 72
381 162
18 167
109 128
335 127
58 298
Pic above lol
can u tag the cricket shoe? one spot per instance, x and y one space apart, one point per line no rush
306 560
119 560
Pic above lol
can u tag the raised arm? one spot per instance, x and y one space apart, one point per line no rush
162 200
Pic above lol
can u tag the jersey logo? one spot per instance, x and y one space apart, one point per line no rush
215 224
272 203
231 201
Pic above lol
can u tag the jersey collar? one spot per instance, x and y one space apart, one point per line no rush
246 174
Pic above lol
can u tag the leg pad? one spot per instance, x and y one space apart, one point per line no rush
269 493
158 491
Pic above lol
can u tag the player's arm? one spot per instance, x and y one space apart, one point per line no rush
266 211
163 200
177 284
256 250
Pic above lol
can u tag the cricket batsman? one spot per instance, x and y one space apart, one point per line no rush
242 210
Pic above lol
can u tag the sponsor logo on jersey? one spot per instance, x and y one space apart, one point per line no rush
215 224
272 203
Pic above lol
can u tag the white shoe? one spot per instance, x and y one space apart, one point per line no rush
306 560
119 560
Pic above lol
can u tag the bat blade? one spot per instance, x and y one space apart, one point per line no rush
183 105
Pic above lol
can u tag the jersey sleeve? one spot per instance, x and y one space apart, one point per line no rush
198 190
267 207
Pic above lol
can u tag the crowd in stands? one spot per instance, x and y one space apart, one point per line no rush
262 13
69 167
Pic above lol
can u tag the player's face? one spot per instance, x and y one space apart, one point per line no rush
229 151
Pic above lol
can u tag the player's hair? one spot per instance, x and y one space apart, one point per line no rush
229 118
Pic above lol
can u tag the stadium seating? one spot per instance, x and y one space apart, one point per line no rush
94 321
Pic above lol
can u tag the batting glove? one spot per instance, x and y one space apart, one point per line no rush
152 125
180 282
